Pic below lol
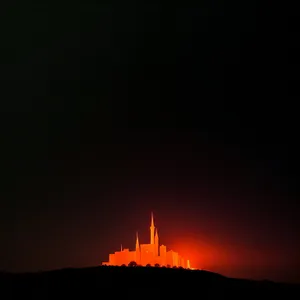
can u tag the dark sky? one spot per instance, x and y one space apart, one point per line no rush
109 112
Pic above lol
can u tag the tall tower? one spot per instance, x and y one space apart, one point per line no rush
152 229
188 264
137 250
156 242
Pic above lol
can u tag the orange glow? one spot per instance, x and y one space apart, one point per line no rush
148 254
201 253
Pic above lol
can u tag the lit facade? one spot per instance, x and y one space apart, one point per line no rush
148 254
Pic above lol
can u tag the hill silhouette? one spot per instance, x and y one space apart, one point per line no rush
137 282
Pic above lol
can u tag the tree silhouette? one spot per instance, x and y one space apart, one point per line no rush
123 265
148 265
157 265
132 264
168 266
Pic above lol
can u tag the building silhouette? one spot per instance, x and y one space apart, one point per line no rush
148 254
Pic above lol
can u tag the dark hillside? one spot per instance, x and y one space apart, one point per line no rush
124 281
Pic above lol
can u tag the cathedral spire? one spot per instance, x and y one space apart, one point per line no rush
156 242
152 229
137 250
137 244
152 220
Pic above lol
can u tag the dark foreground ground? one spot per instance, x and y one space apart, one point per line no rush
138 283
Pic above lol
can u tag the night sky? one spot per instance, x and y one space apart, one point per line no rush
109 112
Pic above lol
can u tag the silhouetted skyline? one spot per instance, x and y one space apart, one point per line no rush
152 254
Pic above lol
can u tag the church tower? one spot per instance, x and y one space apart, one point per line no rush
156 242
152 229
137 250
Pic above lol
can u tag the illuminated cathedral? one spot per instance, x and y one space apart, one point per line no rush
148 254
